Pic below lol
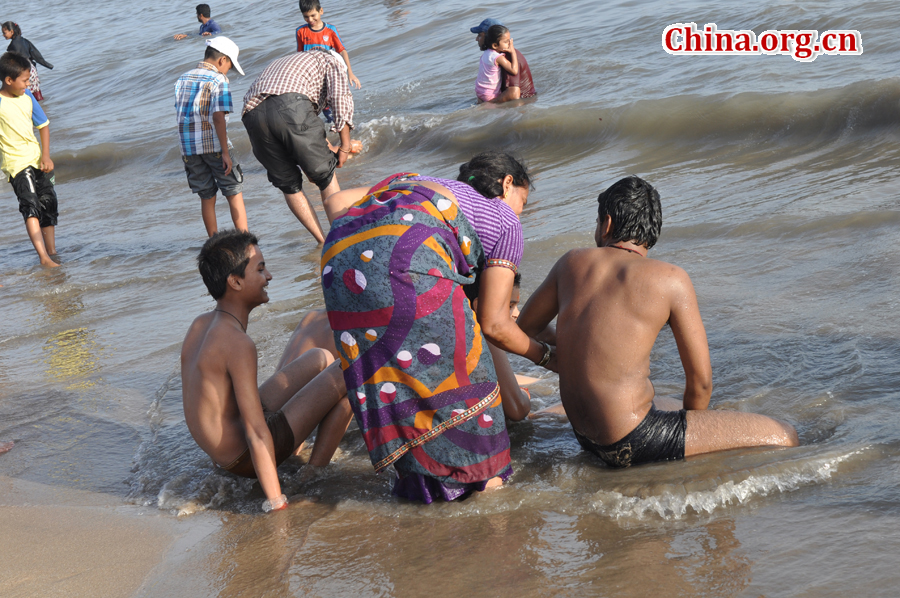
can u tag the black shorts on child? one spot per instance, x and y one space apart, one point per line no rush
36 195
206 174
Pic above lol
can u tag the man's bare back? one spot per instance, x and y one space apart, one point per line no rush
612 306
612 302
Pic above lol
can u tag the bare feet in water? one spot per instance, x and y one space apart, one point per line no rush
493 483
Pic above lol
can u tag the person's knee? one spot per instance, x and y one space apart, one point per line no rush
320 358
344 406
780 433
789 434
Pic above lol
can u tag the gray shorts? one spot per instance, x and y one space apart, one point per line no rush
288 137
205 175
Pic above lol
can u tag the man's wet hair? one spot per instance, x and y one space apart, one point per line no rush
223 254
203 10
213 54
13 64
308 5
486 171
633 204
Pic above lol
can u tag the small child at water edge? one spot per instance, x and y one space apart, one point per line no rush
27 164
497 41
202 99
317 34
20 45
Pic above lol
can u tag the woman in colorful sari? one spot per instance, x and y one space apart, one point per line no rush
419 374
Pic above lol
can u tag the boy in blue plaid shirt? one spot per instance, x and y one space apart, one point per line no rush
202 99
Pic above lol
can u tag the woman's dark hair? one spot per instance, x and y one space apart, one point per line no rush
486 171
633 204
13 64
14 27
492 36
223 254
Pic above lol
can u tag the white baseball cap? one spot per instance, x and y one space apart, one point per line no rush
228 48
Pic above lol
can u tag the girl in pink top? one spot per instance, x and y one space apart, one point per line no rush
497 41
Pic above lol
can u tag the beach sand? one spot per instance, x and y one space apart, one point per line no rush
63 542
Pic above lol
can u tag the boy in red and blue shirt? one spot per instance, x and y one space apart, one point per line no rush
318 35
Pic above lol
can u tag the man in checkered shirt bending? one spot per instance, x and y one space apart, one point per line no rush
281 111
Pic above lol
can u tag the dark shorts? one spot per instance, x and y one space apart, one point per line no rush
282 438
205 175
36 195
660 437
288 137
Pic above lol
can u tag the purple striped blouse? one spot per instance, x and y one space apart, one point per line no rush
497 225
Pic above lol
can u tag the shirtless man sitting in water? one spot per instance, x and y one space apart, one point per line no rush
247 430
612 303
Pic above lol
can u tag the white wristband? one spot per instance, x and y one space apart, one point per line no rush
275 504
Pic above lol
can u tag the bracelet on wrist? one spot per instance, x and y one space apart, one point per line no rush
276 504
340 149
547 354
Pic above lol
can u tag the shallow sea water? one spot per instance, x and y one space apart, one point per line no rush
778 181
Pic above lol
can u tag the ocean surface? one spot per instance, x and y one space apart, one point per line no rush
779 188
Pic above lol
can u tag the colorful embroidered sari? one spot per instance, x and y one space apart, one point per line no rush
418 370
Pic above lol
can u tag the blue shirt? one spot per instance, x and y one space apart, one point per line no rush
198 94
210 27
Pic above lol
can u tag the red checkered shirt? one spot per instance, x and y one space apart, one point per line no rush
315 74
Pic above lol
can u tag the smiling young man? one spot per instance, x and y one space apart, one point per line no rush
245 429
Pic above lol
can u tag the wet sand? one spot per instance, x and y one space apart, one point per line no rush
69 543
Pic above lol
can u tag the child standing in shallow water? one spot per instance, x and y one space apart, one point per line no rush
26 163
497 40
202 100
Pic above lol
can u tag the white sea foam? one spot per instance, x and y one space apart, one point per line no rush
378 128
673 501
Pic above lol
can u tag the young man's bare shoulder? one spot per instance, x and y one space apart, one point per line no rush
576 257
668 269
220 337
672 277
202 320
